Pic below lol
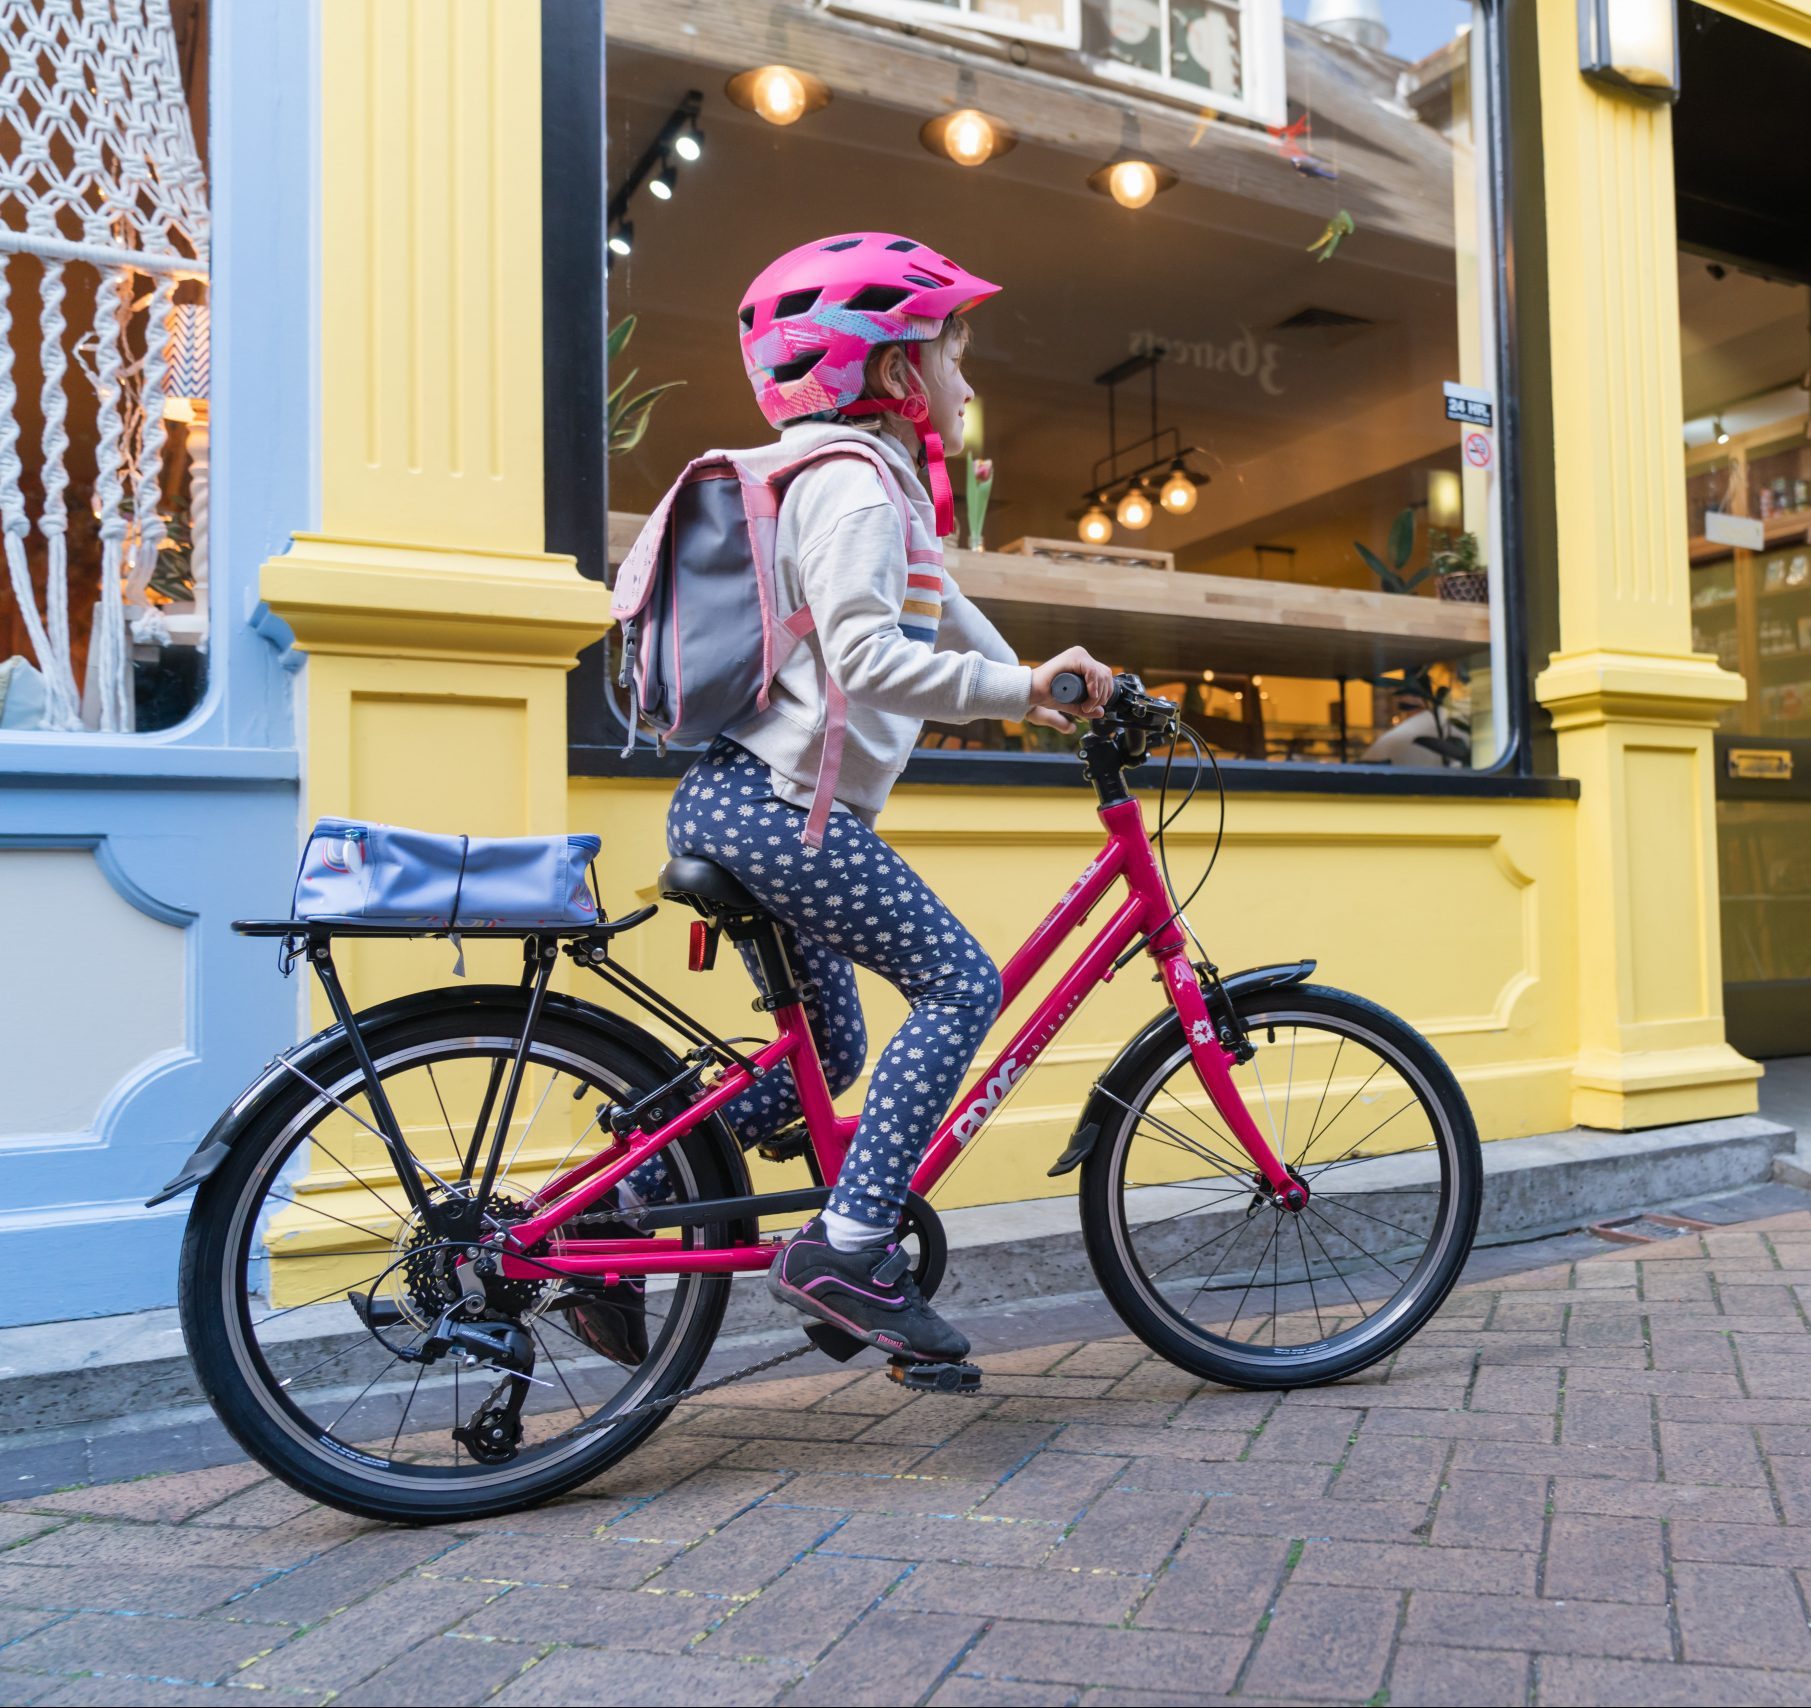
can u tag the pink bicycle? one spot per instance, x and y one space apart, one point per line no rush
406 1228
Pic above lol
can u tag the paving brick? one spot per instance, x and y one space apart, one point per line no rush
1661 1500
1104 1358
1157 1380
1058 1359
992 1448
1522 1622
774 1425
120 1646
351 1646
1306 1435
1711 1453
618 1618
1604 1559
1325 1641
982 1541
442 1670
1531 1460
1425 1676
598 1563
803 1611
1350 1520
699 1505
1482 1509
1216 1583
146 1499
116 1589
1390 1565
347 1574
1224 1476
1580 1683
749 1550
103 1692
1150 1660
1739 1544
1054 1486
929 1496
929 1420
1010 1592
1391 1468
1498 1389
1608 1420
1127 1532
1062 1408
868 1458
1741 1616
961 1691
1453 1424
1166 1442
882 1652
603 1678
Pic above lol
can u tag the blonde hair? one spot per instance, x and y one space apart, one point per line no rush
952 338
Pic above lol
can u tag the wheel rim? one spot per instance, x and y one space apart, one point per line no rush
355 1406
1258 1285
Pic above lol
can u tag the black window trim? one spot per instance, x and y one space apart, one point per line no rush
575 312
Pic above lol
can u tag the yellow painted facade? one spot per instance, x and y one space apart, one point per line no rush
1564 955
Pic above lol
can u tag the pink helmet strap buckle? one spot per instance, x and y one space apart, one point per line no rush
916 408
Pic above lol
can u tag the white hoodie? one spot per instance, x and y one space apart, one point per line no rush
878 630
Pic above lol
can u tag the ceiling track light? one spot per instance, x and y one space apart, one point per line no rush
622 238
678 139
780 94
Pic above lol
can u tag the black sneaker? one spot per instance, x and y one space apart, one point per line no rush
870 1294
612 1320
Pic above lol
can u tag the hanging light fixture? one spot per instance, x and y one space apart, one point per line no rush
689 143
1096 527
781 94
967 136
1178 494
660 186
622 238
1135 508
1720 430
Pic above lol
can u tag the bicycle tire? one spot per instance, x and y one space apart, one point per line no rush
247 1395
1108 1229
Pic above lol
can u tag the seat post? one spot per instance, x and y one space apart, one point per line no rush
773 973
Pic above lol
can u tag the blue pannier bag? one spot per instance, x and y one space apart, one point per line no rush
357 872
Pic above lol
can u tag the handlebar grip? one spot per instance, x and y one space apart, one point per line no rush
1068 688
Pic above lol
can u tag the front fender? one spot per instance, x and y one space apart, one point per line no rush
373 1024
1087 1129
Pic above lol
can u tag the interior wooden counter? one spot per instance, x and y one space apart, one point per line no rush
1179 623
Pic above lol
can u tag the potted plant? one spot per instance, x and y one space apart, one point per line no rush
629 415
1452 561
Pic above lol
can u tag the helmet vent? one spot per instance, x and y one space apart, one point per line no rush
923 279
851 243
877 299
747 317
797 367
793 303
902 243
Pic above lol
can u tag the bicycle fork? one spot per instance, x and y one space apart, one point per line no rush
1213 1066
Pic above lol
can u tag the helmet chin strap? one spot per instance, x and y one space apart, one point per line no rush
916 409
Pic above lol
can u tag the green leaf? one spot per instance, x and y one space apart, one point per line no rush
1402 538
620 334
1392 582
1417 578
621 386
629 421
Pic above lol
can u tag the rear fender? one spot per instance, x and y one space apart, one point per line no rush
1155 1037
312 1053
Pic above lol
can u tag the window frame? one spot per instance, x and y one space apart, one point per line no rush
1266 97
596 739
963 16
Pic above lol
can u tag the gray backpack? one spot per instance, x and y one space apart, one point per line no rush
698 603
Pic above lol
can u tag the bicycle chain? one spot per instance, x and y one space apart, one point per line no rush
698 1388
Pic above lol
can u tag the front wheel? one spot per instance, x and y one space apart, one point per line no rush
1206 1270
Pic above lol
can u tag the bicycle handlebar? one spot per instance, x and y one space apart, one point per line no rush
1128 701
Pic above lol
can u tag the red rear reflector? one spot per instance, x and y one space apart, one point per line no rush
699 956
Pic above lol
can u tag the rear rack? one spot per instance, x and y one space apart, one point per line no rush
323 930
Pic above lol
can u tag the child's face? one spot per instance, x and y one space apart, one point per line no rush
945 389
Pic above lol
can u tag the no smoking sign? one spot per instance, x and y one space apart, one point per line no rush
1478 450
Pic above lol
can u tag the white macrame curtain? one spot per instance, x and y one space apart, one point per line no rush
99 173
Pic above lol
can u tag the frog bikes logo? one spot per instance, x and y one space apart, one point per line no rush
968 1123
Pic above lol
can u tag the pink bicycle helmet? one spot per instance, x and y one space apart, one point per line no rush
810 320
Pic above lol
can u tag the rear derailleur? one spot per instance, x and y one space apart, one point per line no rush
493 1433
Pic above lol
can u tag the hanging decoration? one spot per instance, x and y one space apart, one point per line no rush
102 177
1336 231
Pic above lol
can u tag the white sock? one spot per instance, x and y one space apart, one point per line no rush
845 1233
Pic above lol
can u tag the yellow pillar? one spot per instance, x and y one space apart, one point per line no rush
438 631
1633 705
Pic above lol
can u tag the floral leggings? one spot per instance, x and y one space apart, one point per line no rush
852 902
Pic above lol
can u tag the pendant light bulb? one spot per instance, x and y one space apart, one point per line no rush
1096 526
1178 494
1133 183
779 94
970 138
1135 509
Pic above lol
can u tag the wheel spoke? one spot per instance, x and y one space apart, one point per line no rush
1346 1197
1413 1103
1367 1255
1249 1284
1308 1270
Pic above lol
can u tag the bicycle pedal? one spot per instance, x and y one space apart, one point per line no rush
935 1378
795 1141
833 1343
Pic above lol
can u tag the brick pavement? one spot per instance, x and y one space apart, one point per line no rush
1584 1483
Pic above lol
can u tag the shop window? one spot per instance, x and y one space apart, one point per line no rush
103 379
1197 50
1057 22
1288 326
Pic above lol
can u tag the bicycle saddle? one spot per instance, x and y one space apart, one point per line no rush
705 885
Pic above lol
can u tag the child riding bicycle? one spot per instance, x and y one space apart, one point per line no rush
861 334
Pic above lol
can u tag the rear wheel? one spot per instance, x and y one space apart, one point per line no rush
309 1208
1184 1237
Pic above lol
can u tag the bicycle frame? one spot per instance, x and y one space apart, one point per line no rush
1147 910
